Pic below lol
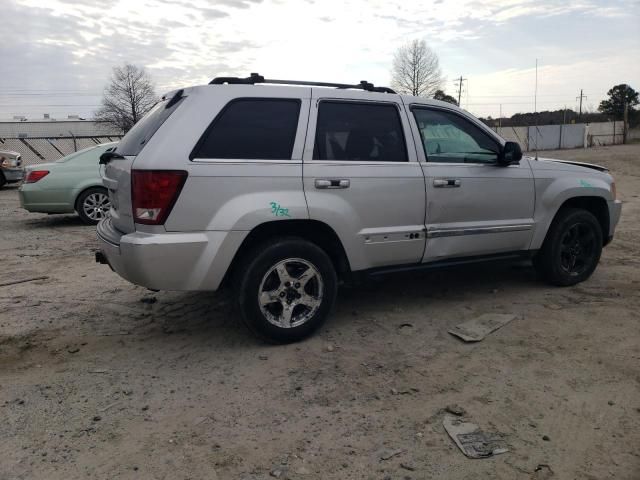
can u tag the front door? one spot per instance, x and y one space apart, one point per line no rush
474 207
362 179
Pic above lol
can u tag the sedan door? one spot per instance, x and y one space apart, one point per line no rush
362 179
474 206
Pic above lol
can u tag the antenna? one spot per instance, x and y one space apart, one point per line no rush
535 108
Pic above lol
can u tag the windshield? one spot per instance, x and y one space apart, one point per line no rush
135 140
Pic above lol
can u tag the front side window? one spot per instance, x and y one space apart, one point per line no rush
450 138
251 129
359 132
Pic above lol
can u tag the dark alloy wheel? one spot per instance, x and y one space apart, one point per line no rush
571 251
577 248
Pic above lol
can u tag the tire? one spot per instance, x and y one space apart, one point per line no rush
572 248
93 205
3 180
273 304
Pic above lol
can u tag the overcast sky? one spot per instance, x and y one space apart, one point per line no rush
56 55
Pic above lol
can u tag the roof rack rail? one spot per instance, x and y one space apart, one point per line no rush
256 78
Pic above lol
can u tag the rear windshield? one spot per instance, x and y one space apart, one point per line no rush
136 138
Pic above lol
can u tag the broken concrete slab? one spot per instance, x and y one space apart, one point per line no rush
387 454
476 329
473 442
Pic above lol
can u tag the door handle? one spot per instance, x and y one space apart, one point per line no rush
446 182
324 183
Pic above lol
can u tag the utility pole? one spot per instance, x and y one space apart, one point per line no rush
580 97
535 108
459 82
625 127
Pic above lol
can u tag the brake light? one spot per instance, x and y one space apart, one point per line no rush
153 194
34 175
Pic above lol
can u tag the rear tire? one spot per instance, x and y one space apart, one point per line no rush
3 180
285 289
572 248
93 205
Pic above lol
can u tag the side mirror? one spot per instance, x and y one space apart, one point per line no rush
510 153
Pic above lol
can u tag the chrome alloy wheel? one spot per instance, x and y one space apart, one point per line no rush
96 206
290 293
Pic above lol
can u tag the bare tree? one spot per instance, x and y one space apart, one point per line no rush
416 70
127 98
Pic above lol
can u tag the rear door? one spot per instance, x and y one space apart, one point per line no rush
474 206
117 174
361 176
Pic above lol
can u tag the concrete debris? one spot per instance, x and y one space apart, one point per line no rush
478 328
388 454
455 409
473 442
542 472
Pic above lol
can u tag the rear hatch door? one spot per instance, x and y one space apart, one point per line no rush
117 172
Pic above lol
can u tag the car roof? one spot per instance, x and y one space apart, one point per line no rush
10 153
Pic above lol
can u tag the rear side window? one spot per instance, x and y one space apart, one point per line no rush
136 138
252 129
359 132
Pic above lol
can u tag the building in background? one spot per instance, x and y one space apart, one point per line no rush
50 139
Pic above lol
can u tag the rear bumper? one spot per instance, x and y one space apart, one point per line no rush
169 261
33 199
13 175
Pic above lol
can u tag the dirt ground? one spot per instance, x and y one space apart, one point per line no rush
103 379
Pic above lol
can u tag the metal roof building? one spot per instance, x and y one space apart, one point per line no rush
49 140
57 128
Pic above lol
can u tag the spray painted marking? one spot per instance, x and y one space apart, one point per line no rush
584 183
278 211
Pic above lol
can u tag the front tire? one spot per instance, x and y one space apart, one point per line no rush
93 205
3 180
285 289
571 251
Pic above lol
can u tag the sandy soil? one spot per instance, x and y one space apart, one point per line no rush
97 382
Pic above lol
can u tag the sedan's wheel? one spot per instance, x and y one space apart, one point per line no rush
93 205
286 289
572 248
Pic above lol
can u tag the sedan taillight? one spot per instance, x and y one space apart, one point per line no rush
153 194
34 175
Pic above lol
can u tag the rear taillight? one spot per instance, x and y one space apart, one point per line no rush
153 194
34 175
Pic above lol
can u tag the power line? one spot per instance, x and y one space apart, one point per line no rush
47 105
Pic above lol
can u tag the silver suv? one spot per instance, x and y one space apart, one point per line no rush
282 191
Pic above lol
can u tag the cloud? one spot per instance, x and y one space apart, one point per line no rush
212 13
73 44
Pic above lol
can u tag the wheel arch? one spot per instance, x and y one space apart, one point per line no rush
314 231
594 204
